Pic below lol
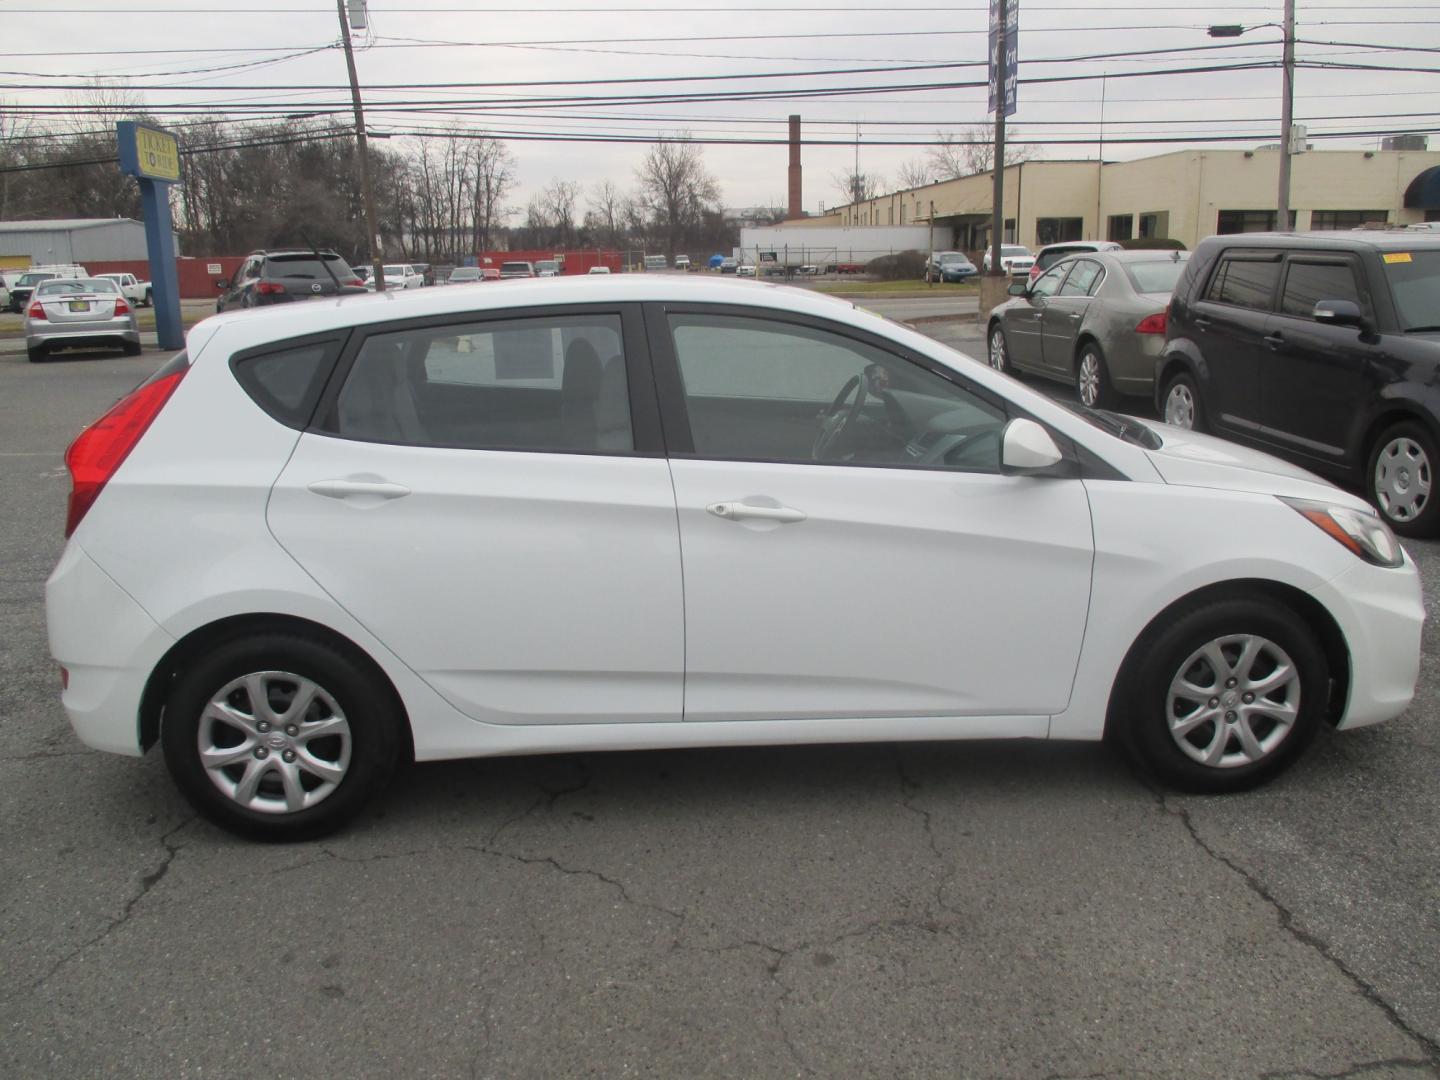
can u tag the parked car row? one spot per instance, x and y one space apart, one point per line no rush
1322 348
19 284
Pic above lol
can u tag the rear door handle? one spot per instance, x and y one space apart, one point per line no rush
1076 316
1275 341
344 489
1201 321
741 511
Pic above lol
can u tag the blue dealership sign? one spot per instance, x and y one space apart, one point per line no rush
1004 71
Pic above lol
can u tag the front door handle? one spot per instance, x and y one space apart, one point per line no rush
742 511
1076 316
344 489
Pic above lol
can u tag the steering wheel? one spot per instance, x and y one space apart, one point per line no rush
837 418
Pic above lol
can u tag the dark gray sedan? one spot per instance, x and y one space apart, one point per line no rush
1096 321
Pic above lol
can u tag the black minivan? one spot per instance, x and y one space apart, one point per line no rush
1322 348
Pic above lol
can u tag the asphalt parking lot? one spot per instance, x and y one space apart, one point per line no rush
975 910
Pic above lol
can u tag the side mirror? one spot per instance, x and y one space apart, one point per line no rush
222 283
1026 447
1019 288
1340 313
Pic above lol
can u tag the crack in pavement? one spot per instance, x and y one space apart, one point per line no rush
147 883
1354 1070
1289 924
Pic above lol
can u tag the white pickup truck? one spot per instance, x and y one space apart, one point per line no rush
133 289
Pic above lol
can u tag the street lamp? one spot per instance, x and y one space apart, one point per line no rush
1287 102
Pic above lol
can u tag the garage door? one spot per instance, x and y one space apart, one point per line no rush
14 262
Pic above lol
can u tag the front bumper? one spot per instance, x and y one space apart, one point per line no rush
1380 612
107 644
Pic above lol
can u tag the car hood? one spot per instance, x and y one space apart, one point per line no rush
1189 459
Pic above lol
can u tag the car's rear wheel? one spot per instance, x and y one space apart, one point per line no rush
1227 695
999 354
1399 480
1181 403
132 348
37 353
280 736
1092 379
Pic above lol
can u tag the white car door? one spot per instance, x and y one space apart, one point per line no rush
485 500
851 548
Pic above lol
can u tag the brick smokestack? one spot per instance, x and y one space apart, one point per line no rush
794 210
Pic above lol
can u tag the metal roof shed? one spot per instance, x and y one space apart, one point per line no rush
71 240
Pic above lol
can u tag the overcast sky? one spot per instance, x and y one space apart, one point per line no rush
744 37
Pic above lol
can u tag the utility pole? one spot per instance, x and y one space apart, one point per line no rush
1287 118
997 222
855 175
372 234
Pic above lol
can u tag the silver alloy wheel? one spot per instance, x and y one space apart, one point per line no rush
1088 378
1402 479
1180 406
274 742
997 349
1233 701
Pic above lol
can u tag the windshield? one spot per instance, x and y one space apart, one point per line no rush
465 273
394 271
952 257
1007 252
96 285
1159 276
512 267
1414 278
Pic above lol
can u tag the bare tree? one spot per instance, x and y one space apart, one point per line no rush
973 151
603 212
858 186
559 199
676 188
917 172
494 176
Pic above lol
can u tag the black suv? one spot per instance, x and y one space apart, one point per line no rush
1323 348
278 277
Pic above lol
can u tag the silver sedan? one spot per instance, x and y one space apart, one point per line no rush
83 313
1096 321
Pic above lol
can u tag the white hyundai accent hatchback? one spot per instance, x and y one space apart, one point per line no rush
659 512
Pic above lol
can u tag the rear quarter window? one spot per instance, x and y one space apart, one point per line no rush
286 379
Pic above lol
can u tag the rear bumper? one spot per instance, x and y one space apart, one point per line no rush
108 645
122 331
1380 612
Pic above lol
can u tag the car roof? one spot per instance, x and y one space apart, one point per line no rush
1357 239
244 329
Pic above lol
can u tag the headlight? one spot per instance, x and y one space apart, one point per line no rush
1361 531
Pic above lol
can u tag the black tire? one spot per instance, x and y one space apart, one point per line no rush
149 300
361 699
132 348
1146 707
1393 486
37 354
1104 393
997 349
1183 383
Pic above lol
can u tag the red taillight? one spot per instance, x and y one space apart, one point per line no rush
269 288
1153 324
98 450
121 307
1034 271
353 281
64 678
37 311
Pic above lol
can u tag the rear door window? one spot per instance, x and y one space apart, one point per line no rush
1085 277
541 384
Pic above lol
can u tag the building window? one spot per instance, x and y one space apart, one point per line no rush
1052 230
1121 227
1242 221
1155 223
1010 231
1346 219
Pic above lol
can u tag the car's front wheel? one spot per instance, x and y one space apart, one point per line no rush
1226 695
1181 406
1399 479
280 736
